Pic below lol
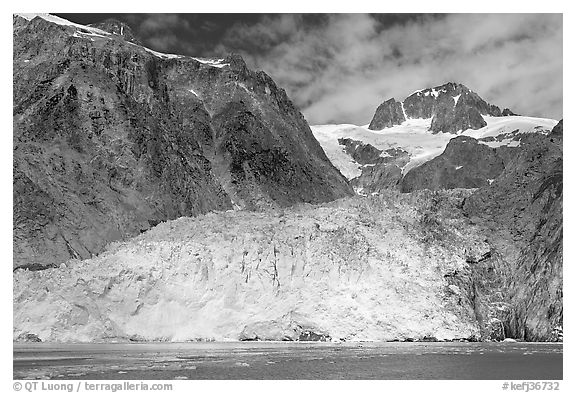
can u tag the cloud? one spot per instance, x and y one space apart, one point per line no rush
162 32
154 23
339 68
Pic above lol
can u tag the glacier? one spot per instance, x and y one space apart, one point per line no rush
357 269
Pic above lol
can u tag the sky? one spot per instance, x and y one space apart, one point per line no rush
337 68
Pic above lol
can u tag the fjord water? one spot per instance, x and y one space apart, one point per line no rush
294 360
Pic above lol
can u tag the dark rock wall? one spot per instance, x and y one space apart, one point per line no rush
109 140
450 117
522 213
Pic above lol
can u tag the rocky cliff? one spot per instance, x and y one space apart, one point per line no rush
452 107
522 213
111 138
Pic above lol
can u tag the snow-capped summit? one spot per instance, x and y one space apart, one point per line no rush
452 107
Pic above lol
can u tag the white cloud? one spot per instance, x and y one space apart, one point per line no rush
340 69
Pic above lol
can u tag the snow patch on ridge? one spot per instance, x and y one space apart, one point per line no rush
403 110
81 34
218 63
159 54
63 22
456 99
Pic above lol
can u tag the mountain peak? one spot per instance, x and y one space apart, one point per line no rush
389 113
452 107
450 88
453 86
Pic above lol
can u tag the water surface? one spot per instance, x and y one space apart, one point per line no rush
295 360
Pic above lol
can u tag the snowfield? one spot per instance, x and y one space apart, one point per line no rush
356 269
413 136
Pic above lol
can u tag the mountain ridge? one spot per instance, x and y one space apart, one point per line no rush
111 138
452 107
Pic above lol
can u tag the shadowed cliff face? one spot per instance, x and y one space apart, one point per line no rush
110 139
522 214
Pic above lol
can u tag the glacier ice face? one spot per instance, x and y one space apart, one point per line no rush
356 269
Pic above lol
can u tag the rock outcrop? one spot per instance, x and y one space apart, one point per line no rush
387 114
508 112
362 153
111 138
453 107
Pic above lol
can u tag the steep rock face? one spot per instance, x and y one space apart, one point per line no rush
522 211
453 107
387 114
111 138
453 118
465 163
